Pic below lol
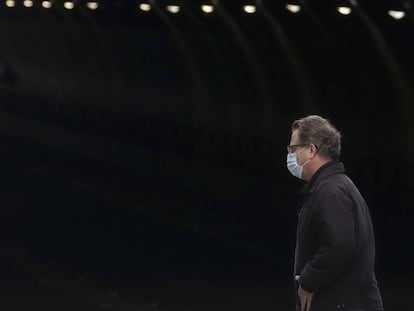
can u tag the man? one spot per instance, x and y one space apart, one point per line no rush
335 247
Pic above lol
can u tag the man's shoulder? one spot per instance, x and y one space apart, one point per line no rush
333 184
337 188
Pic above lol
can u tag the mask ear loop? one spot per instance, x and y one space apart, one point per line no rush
300 150
317 150
304 164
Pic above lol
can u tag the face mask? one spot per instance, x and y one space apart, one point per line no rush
292 164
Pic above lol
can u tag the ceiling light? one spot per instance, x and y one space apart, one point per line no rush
249 9
344 10
47 4
10 3
92 5
28 3
396 14
145 7
68 5
293 8
174 9
207 8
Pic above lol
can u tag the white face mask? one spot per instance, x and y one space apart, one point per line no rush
292 164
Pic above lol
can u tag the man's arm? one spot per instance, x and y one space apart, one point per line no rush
305 297
337 239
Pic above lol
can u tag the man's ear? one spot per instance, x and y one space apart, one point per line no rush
313 149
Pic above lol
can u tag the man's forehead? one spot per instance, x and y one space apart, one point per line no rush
294 136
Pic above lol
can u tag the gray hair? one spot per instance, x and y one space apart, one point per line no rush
320 132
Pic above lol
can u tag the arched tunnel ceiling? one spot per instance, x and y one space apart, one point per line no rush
226 82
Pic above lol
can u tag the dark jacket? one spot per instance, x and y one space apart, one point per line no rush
335 247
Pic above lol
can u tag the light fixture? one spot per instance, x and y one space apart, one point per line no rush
146 7
207 8
249 9
173 9
10 3
293 8
47 4
92 5
344 10
68 5
28 3
396 14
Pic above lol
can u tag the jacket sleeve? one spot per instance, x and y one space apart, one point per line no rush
335 222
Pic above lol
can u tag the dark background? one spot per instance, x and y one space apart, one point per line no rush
143 159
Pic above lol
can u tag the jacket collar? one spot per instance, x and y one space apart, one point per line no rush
328 169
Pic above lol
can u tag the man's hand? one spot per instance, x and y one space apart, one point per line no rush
304 297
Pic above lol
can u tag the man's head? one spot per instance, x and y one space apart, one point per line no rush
314 141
